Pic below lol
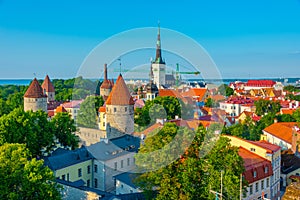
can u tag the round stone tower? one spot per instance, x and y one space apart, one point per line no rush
34 98
119 110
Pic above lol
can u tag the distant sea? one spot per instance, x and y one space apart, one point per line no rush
213 81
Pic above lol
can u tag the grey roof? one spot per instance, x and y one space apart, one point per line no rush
127 178
131 196
289 162
110 149
127 142
64 158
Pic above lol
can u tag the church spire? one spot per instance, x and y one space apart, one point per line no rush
158 58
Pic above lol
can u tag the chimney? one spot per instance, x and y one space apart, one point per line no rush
105 71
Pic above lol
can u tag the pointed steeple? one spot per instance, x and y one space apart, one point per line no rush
34 90
158 57
120 94
47 85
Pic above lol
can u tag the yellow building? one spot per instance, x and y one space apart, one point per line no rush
72 166
265 150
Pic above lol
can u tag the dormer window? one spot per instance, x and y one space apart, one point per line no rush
266 169
254 174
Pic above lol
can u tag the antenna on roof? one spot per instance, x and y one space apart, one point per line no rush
119 59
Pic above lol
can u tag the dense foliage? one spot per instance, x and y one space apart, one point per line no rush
34 130
24 177
75 88
225 90
265 106
193 174
87 116
159 108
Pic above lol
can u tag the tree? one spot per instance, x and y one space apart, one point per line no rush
64 128
170 105
3 107
22 177
225 90
265 106
87 115
296 115
30 128
285 118
34 130
192 174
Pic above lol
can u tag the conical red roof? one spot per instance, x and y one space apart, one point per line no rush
47 85
34 90
120 94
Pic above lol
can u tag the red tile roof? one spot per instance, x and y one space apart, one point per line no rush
260 83
195 93
73 104
267 145
47 85
107 84
120 94
254 163
288 111
281 130
150 129
34 90
60 109
171 93
102 109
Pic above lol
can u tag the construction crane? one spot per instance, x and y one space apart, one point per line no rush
177 73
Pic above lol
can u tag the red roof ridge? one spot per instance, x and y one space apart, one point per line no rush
34 90
47 85
120 94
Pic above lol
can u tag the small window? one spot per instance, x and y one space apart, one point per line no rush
63 177
88 184
103 123
262 185
252 149
79 172
96 183
125 109
95 168
121 163
116 166
89 169
68 177
267 182
254 174
256 187
266 169
128 161
251 189
115 109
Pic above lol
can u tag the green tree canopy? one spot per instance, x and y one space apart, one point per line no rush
265 106
34 130
171 106
225 90
193 174
87 116
22 177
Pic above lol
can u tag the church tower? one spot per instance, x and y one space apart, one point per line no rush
119 110
158 65
34 97
48 89
106 85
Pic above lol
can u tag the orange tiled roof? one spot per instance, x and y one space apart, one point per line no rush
34 90
120 94
199 93
150 129
253 162
107 84
171 93
47 85
60 109
288 111
281 130
102 109
218 97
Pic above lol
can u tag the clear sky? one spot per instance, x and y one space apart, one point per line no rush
257 38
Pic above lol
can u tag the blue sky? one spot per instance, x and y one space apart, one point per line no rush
247 39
